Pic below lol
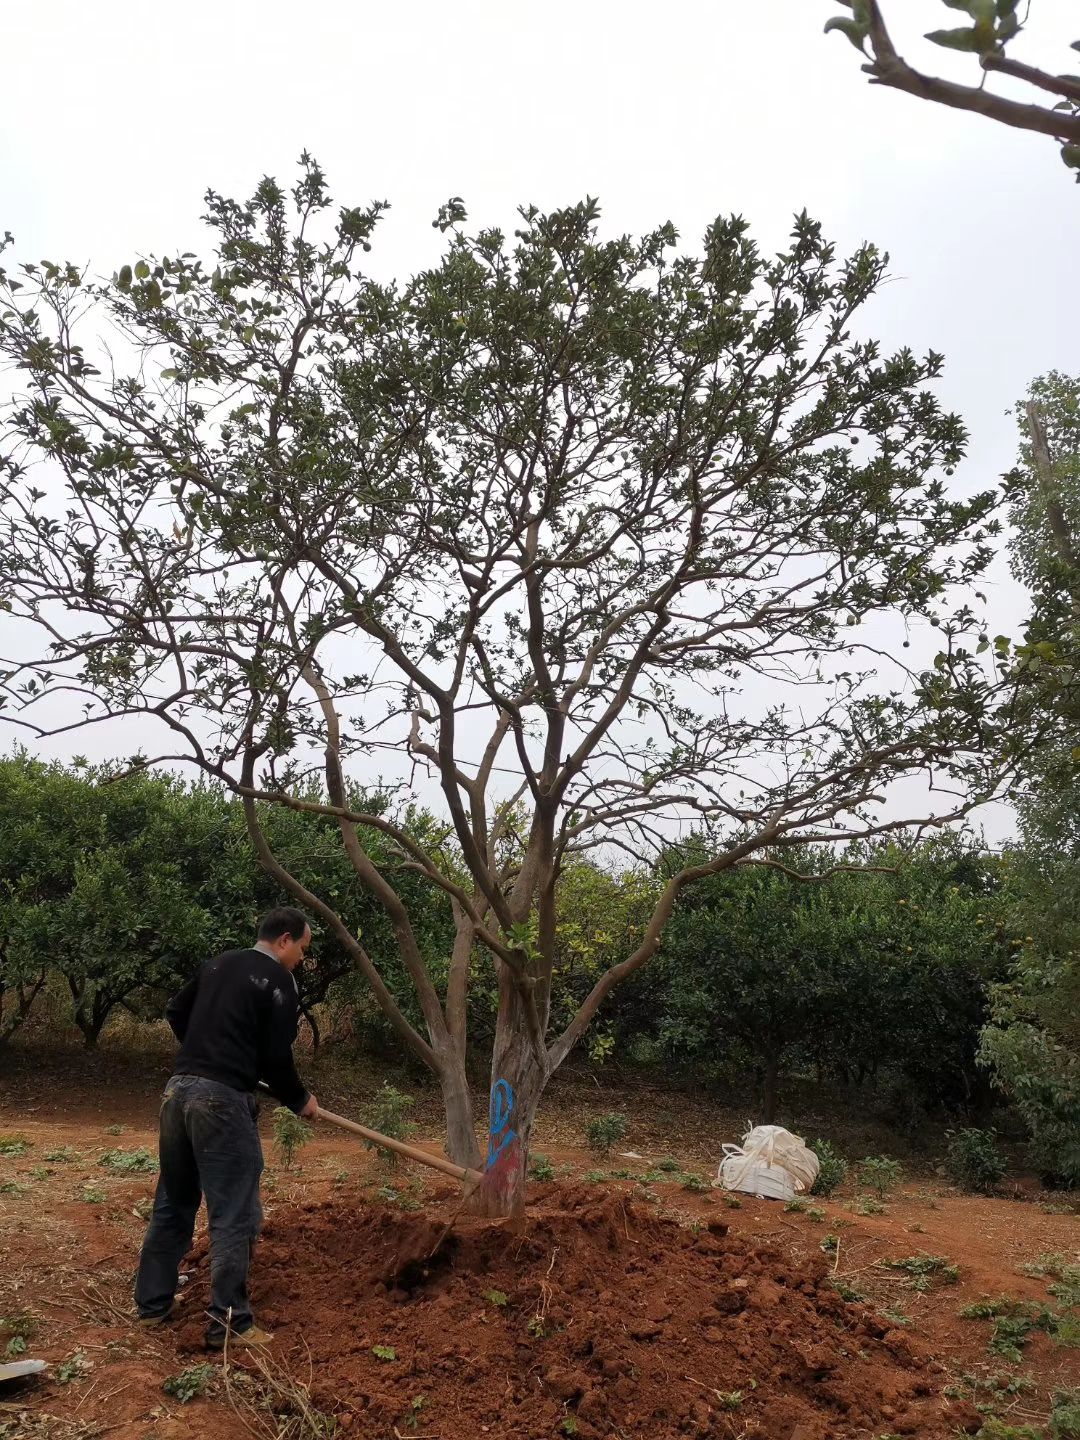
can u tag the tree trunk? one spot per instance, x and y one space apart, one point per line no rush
517 1083
461 1143
772 1086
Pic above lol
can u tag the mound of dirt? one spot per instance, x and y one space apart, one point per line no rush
603 1320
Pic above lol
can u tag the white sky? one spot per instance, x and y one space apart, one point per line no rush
114 119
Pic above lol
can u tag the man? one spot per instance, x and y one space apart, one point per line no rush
236 1023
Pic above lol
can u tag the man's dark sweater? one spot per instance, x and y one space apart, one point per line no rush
236 1023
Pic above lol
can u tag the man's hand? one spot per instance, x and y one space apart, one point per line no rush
310 1110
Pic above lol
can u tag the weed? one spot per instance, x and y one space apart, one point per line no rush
623 1174
410 1201
669 1165
1065 1415
412 1418
541 1168
13 1146
924 1268
72 1368
916 1229
730 1399
384 1352
1014 1320
143 1209
732 1202
568 1425
880 1174
848 1292
190 1383
387 1113
605 1132
128 1162
91 1195
12 1187
290 1135
498 1298
18 1328
830 1244
995 1429
114 1129
61 1155
795 1207
536 1328
696 1184
869 1206
39 1172
832 1168
896 1317
595 1177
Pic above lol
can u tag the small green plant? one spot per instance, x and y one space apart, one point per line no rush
830 1244
498 1298
669 1165
973 1160
196 1380
595 1177
848 1292
412 1417
623 1174
867 1205
290 1135
18 1329
384 1352
537 1328
12 1146
925 1268
1014 1320
128 1162
880 1174
12 1187
568 1425
541 1168
832 1168
91 1195
896 1317
732 1202
39 1172
730 1399
605 1132
114 1129
408 1200
1065 1415
71 1368
61 1155
388 1113
696 1184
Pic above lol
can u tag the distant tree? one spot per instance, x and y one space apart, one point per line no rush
993 25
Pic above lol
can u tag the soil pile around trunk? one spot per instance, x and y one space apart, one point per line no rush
602 1320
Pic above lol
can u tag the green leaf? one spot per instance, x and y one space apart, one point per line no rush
855 32
169 374
384 1352
1071 155
124 278
249 334
963 39
1006 7
142 270
1009 27
1076 753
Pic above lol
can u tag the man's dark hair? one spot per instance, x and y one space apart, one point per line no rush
282 920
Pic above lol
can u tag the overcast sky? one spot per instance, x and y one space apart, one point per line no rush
114 119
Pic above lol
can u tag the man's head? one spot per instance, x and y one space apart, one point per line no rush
286 933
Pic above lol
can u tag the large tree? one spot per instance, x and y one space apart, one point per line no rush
602 537
1051 105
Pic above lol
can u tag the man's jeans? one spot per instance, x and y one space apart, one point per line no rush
209 1145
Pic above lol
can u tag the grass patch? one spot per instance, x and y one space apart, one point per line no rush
12 1146
196 1380
128 1162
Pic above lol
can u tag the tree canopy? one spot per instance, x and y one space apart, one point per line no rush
598 534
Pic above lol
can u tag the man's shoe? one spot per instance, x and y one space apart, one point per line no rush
151 1322
252 1337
